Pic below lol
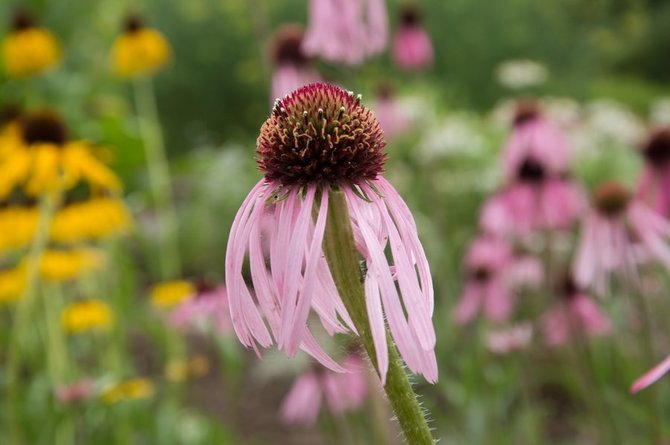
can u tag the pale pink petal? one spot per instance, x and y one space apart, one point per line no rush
652 376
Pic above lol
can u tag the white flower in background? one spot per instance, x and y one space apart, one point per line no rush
521 73
457 133
613 122
660 111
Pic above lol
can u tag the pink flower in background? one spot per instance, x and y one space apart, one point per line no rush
575 315
507 340
526 271
534 139
292 69
209 307
341 392
389 113
412 48
486 289
74 392
652 376
654 184
533 202
346 31
617 233
334 143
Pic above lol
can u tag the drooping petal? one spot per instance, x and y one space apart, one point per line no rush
652 376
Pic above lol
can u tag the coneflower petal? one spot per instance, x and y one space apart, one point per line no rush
652 376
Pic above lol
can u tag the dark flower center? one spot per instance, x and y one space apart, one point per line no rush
410 16
133 23
568 289
531 171
611 199
9 113
287 47
43 127
657 150
526 111
480 274
22 19
384 91
320 134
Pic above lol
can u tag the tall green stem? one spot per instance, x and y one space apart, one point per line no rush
656 432
159 177
48 205
344 265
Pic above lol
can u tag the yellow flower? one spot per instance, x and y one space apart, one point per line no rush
139 51
171 293
28 50
86 315
10 129
179 371
12 284
45 160
63 265
138 388
93 219
17 226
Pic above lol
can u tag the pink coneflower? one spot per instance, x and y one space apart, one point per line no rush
533 201
654 185
74 392
617 232
390 115
525 272
575 315
652 376
346 31
292 68
341 392
486 289
412 49
318 141
507 340
208 307
534 139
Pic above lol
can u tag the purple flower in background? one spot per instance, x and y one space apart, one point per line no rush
391 116
533 201
412 48
341 392
575 315
654 184
652 376
318 139
486 289
346 31
292 68
617 232
534 139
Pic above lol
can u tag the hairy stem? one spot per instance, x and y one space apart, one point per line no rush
344 265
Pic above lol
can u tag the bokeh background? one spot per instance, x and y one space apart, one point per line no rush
602 73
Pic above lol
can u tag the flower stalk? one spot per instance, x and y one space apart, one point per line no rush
343 262
159 177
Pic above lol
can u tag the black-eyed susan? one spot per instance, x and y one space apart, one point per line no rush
170 293
89 220
47 160
28 49
10 128
17 226
139 50
12 284
65 265
85 316
133 389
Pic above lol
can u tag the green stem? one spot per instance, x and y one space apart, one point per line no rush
21 329
344 265
656 432
159 177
